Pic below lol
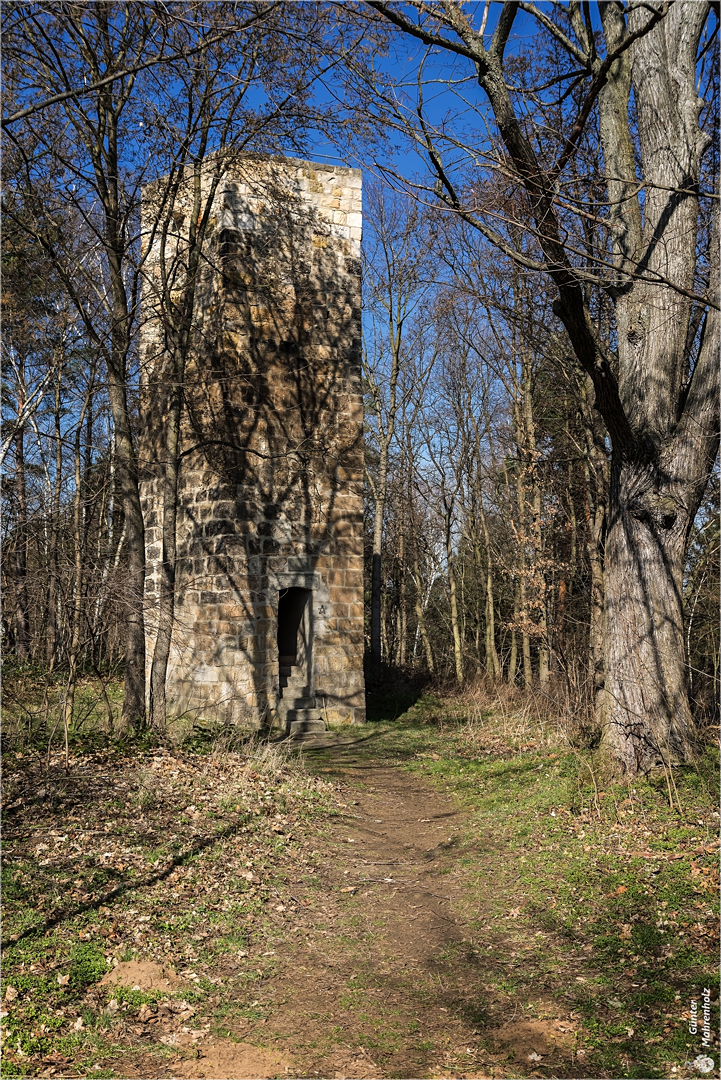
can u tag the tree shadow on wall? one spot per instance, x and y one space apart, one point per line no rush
272 439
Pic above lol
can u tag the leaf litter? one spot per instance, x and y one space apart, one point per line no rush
140 887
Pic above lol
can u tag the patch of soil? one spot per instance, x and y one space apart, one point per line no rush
351 1065
222 1059
144 976
530 1041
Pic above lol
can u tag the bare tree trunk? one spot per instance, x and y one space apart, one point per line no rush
78 544
377 554
452 590
420 616
177 313
166 598
22 616
513 659
536 535
493 665
522 586
403 614
646 677
594 471
52 646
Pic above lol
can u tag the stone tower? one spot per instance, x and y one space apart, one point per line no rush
268 623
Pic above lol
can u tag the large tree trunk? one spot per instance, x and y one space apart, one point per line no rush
595 473
134 677
658 478
648 714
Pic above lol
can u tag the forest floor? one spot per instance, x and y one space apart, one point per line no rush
450 894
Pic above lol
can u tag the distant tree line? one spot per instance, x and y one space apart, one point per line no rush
494 483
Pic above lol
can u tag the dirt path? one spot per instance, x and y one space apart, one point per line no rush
259 921
381 976
400 954
370 988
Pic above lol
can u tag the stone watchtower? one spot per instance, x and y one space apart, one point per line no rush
268 623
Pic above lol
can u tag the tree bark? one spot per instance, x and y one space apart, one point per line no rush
595 470
453 595
420 616
22 615
658 478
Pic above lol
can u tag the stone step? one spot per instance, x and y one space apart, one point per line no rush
305 727
304 714
302 701
295 682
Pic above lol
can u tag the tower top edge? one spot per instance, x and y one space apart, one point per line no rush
280 161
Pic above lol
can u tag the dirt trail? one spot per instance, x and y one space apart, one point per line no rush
384 979
378 970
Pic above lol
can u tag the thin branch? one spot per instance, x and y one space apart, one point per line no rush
82 91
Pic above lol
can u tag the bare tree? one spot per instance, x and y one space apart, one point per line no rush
103 100
395 267
658 393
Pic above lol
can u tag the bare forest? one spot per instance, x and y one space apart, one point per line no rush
511 868
539 354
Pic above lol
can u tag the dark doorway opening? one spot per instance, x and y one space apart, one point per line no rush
291 608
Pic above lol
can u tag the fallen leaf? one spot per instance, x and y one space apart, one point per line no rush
79 1024
63 980
533 1056
10 993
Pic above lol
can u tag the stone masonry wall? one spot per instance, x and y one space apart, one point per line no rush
270 489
